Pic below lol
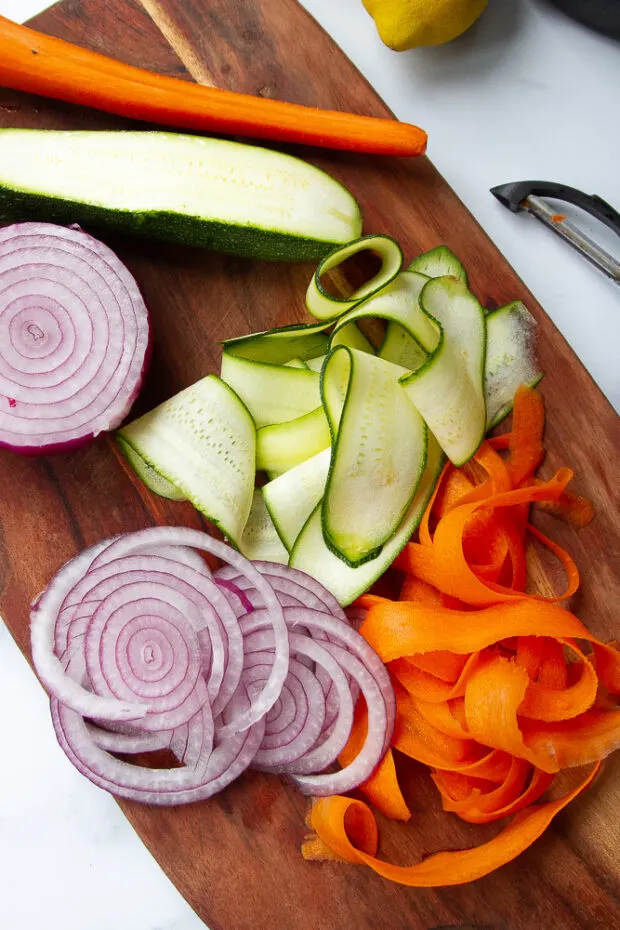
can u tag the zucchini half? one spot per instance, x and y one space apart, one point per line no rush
222 195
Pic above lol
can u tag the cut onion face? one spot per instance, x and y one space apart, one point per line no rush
143 650
74 338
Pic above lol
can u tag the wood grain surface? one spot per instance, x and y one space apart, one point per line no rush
236 858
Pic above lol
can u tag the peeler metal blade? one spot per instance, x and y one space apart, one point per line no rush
528 195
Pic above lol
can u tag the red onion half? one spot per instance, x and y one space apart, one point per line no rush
74 338
143 649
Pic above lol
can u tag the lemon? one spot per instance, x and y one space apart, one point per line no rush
406 24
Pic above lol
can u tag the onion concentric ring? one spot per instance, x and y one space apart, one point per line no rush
74 338
142 649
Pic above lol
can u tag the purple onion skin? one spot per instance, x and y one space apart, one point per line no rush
58 448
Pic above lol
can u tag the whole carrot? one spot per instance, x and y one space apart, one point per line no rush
40 64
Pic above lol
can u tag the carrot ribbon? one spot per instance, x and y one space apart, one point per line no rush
349 829
497 690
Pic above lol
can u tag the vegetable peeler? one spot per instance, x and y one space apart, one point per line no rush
528 195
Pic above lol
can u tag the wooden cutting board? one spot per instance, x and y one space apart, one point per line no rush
236 858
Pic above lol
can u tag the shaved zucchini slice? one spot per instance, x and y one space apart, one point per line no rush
378 453
296 363
272 393
152 479
401 348
260 539
316 364
322 305
202 441
351 335
311 554
398 301
279 346
292 497
439 262
284 445
448 389
511 358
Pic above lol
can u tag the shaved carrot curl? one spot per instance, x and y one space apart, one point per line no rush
355 839
498 690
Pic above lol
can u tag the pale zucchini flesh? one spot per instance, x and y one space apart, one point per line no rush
448 389
311 554
439 262
272 393
291 497
316 364
401 348
285 445
202 441
196 190
151 478
351 335
279 346
378 453
325 306
511 358
260 539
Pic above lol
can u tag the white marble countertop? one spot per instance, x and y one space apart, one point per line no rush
525 94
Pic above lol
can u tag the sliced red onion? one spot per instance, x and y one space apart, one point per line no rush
74 338
142 649
239 600
295 727
374 746
128 744
308 591
61 685
154 786
323 751
355 615
133 543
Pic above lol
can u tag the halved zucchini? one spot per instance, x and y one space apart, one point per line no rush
201 191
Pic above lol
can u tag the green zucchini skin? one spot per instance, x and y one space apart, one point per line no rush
194 190
164 226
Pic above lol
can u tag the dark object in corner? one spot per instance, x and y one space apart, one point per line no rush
602 15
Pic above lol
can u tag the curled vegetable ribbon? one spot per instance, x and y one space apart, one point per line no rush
349 829
495 700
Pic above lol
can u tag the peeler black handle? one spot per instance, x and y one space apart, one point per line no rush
512 196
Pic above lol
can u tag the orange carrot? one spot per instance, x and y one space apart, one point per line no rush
382 788
570 507
496 701
526 448
445 566
349 828
40 64
480 801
